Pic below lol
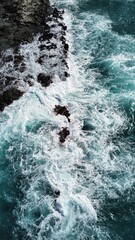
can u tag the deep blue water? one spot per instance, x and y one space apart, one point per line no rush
95 168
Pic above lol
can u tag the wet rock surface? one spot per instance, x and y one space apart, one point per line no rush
62 110
63 134
53 46
44 80
20 19
9 96
21 22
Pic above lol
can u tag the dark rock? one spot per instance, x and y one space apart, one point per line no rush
18 59
63 39
63 134
51 46
64 27
20 20
52 56
46 27
16 50
57 14
8 58
66 74
29 80
55 65
66 47
62 111
42 47
57 193
41 59
44 80
65 63
9 80
9 96
46 36
22 67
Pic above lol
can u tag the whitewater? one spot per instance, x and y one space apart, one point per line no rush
82 189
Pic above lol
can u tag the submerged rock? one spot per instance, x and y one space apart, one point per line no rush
63 134
62 110
29 79
87 126
57 193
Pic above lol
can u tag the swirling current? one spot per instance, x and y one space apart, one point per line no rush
94 170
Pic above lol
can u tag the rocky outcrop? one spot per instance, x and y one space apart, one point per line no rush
20 19
8 96
63 134
44 80
62 110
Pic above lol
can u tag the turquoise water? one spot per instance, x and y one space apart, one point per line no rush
95 168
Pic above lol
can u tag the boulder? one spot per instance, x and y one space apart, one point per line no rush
62 110
8 96
63 134
44 80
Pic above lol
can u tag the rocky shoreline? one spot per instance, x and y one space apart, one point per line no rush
20 22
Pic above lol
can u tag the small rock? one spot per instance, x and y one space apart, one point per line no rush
8 58
62 111
64 61
9 80
51 46
62 39
66 74
64 27
41 59
44 80
18 59
66 47
22 67
29 80
63 134
52 56
57 193
56 13
46 36
42 47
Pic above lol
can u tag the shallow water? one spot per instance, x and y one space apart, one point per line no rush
94 169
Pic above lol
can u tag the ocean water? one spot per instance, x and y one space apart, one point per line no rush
94 169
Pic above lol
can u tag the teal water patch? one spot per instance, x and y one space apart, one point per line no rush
121 13
11 192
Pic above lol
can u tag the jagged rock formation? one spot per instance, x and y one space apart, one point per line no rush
20 22
63 134
62 110
20 19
